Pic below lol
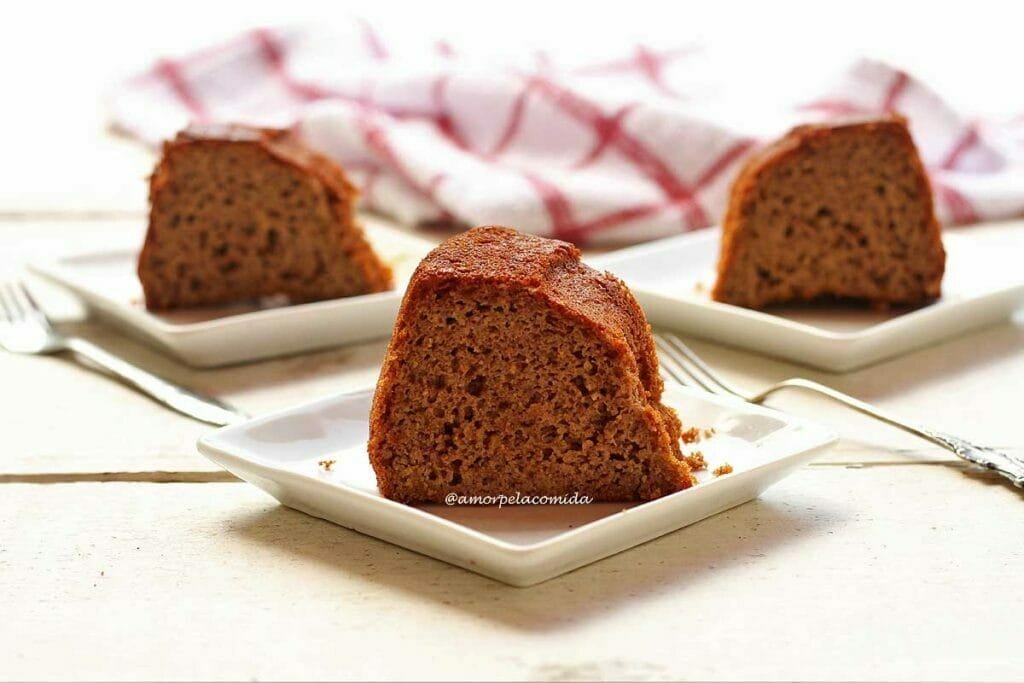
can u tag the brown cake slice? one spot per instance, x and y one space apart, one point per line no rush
839 210
240 213
514 368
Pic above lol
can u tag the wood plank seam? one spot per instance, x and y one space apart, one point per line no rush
42 215
140 477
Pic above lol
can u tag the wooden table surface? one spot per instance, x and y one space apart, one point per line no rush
126 555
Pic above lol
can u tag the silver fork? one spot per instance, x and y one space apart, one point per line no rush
681 364
24 328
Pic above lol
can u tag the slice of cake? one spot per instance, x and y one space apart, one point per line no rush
514 368
240 213
839 210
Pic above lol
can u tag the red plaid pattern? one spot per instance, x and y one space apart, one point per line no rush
608 152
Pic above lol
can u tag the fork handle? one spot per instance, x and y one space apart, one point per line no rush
1008 466
187 402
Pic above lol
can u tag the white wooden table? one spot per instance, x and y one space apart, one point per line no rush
126 555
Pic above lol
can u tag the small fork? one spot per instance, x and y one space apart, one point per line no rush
682 365
24 328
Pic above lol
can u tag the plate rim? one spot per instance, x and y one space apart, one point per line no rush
523 554
54 271
873 332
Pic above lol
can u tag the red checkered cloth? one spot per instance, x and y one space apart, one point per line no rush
608 152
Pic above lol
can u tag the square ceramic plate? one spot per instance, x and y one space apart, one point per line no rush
520 545
106 283
671 278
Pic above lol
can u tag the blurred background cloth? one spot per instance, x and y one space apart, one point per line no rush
641 144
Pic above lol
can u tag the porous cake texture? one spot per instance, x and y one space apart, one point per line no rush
832 210
515 368
239 213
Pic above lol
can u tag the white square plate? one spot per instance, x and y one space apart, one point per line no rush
520 545
106 283
672 278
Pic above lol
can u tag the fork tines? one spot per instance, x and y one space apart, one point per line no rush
16 303
10 306
681 364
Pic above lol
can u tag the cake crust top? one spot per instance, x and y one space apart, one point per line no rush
552 269
282 144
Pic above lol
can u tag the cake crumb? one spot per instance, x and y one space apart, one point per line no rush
691 435
696 461
695 434
327 464
724 468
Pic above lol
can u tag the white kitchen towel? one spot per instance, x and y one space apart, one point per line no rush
616 151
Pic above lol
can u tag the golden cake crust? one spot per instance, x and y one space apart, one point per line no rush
552 268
